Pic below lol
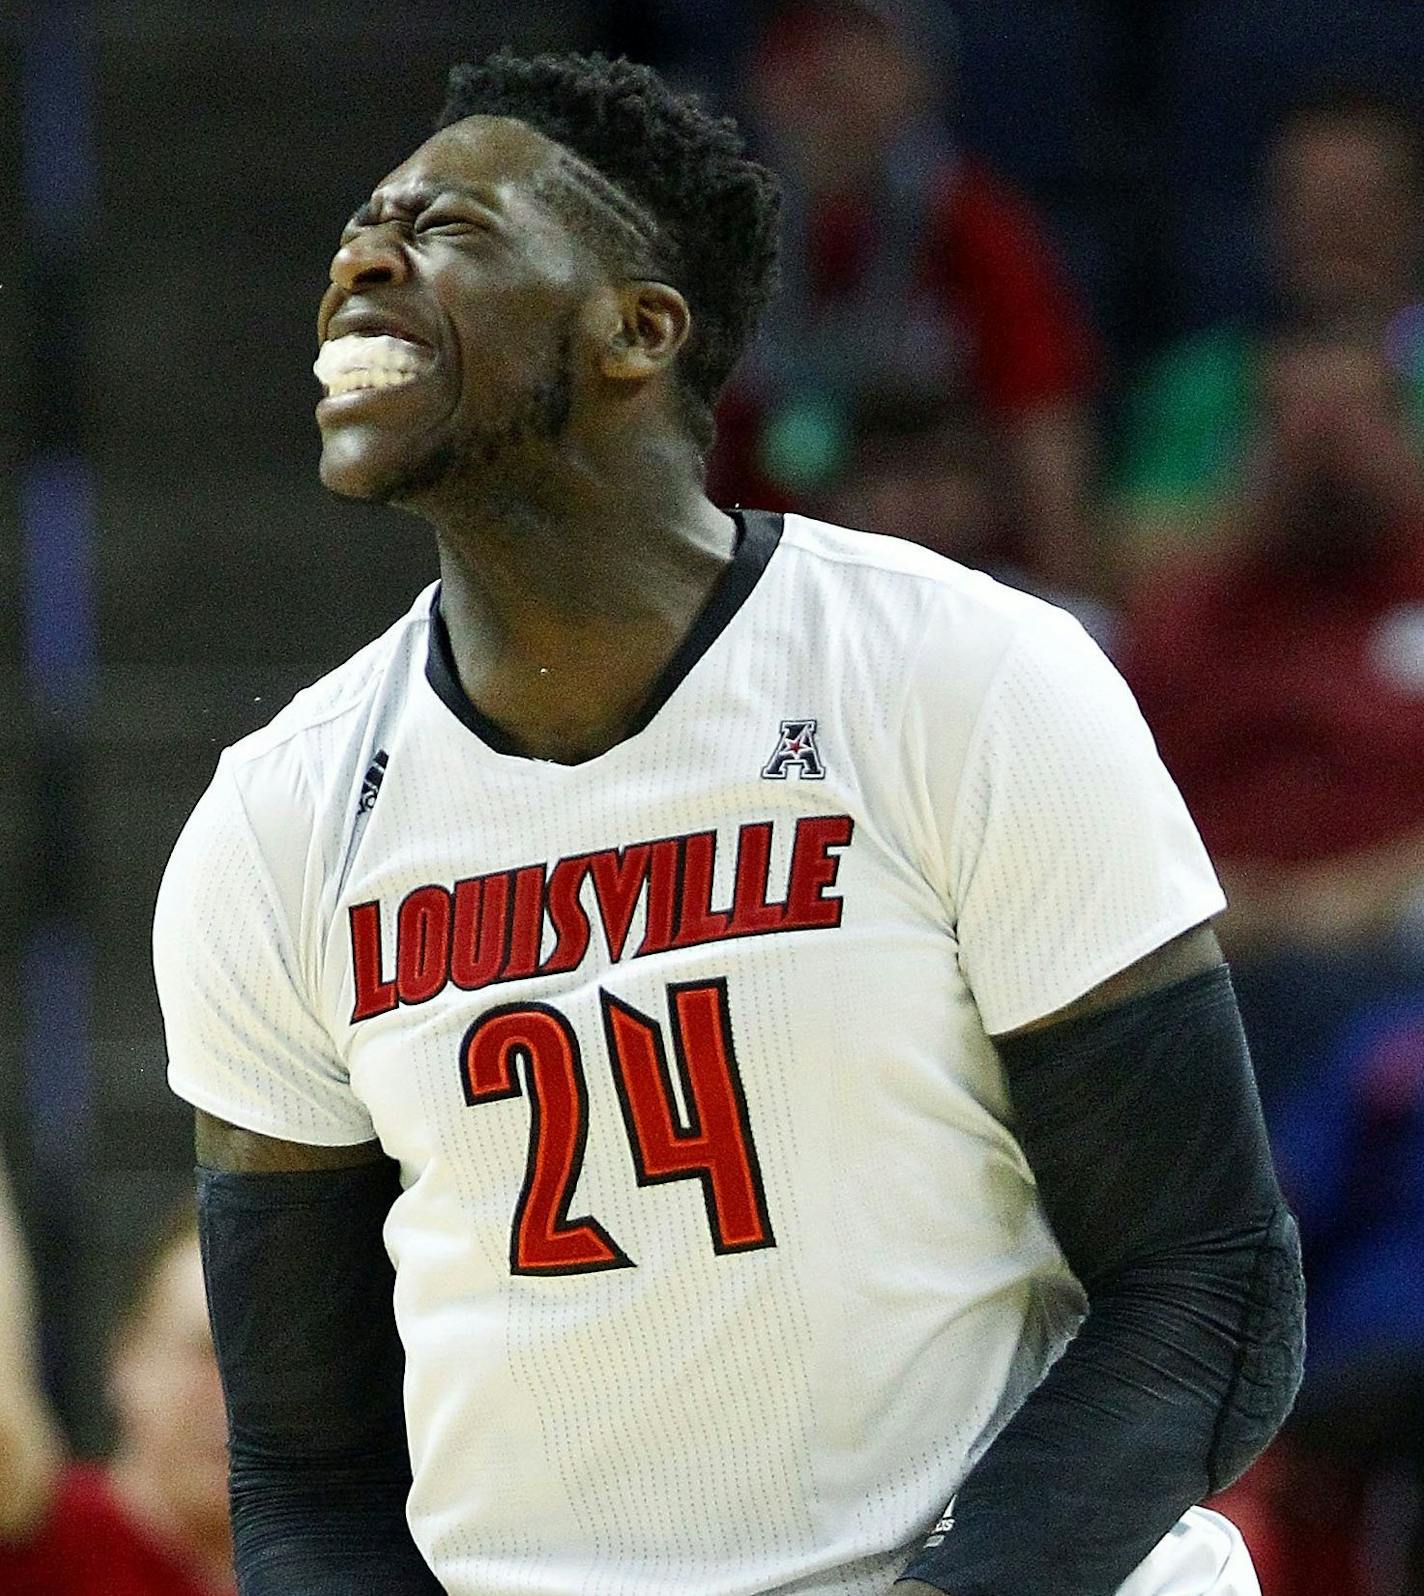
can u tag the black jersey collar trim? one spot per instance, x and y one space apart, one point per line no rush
759 533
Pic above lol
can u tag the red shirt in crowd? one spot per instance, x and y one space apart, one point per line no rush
1027 342
89 1546
1288 701
1013 337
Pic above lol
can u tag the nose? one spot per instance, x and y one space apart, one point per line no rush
374 256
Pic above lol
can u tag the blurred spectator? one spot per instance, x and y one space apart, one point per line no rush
907 265
1282 671
153 1520
29 1443
1284 675
1344 231
925 469
921 468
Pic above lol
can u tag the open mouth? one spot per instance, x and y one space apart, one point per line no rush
364 362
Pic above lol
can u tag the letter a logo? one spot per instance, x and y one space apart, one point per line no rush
796 750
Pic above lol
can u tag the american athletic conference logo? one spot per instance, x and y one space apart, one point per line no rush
796 750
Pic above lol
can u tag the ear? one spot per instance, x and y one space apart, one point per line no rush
641 326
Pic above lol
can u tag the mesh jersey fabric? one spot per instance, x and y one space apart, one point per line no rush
892 809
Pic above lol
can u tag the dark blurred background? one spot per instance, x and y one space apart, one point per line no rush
1123 300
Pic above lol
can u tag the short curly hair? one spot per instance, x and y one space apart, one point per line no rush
662 188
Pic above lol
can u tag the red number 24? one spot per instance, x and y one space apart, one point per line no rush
714 1146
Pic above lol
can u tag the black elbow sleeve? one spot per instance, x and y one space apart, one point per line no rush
1269 1353
1144 1131
300 1297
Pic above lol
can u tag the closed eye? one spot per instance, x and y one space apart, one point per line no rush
446 222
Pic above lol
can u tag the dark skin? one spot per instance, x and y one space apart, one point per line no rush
543 441
575 558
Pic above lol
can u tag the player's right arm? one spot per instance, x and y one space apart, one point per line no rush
219 1145
293 1195
300 1297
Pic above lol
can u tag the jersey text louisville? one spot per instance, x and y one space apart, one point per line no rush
490 928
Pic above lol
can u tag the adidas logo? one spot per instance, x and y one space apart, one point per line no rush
371 782
937 1534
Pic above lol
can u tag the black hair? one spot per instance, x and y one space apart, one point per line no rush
662 187
1348 103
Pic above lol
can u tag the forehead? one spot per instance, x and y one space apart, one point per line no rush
491 154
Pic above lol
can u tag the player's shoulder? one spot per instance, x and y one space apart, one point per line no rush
966 621
277 784
347 693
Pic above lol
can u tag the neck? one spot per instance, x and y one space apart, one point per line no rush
566 594
203 1544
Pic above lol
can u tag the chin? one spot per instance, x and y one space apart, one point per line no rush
353 474
356 473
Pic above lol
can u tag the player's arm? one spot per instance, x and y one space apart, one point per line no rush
1137 1109
300 1296
299 1282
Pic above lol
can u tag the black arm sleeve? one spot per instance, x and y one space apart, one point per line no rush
1144 1131
300 1297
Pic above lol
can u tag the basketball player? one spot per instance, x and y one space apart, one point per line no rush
751 979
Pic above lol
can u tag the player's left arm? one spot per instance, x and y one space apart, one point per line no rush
1137 1109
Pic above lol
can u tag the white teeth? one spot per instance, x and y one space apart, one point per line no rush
359 361
348 381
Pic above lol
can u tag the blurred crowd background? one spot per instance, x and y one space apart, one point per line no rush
1122 300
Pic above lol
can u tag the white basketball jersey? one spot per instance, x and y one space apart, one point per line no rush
717 1260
